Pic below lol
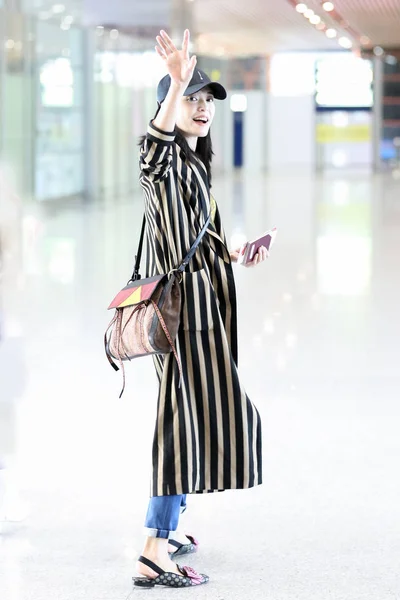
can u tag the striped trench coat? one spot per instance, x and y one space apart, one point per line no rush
208 433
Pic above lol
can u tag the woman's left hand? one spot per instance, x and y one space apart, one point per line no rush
259 257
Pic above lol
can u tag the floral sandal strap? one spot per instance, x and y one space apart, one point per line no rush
189 576
195 577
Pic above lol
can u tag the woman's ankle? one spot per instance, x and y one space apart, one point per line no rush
155 547
156 550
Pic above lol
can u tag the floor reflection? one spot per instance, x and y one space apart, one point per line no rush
319 332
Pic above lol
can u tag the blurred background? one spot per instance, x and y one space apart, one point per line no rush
307 141
77 86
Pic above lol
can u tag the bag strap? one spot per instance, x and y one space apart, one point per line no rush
138 257
195 245
136 275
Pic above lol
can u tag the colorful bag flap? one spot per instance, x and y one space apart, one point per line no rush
136 292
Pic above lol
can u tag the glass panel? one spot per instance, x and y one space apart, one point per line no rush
391 110
124 102
60 112
16 99
58 175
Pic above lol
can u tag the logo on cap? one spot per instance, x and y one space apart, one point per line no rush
200 75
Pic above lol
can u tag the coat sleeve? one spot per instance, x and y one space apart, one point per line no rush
156 153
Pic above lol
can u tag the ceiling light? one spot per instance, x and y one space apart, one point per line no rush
378 51
340 119
58 9
321 26
308 13
315 19
65 26
238 103
331 33
301 8
291 340
345 42
364 40
114 33
10 44
328 6
68 20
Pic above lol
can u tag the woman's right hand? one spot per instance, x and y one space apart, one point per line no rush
179 66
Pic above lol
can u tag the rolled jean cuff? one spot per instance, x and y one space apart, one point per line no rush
157 533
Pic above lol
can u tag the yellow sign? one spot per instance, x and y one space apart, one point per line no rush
328 134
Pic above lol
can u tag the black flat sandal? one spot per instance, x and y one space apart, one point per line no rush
188 578
184 548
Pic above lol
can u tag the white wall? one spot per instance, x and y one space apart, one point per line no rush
278 132
222 136
291 132
255 120
254 140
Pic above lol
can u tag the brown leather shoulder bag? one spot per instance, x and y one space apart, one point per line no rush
147 313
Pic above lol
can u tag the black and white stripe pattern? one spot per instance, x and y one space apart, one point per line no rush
208 433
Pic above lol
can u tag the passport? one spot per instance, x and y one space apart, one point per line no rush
249 249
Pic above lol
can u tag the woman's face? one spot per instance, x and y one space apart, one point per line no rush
196 113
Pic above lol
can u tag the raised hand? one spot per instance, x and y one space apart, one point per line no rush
179 66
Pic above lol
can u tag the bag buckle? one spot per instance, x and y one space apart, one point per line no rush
178 274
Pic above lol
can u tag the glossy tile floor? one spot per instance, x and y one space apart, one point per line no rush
319 354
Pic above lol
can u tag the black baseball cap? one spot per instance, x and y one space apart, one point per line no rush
199 81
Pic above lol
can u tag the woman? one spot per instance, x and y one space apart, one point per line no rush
208 433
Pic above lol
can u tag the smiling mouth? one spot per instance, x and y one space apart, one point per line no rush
202 120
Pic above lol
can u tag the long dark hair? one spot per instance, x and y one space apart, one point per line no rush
203 150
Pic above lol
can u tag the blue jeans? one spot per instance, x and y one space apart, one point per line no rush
163 515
